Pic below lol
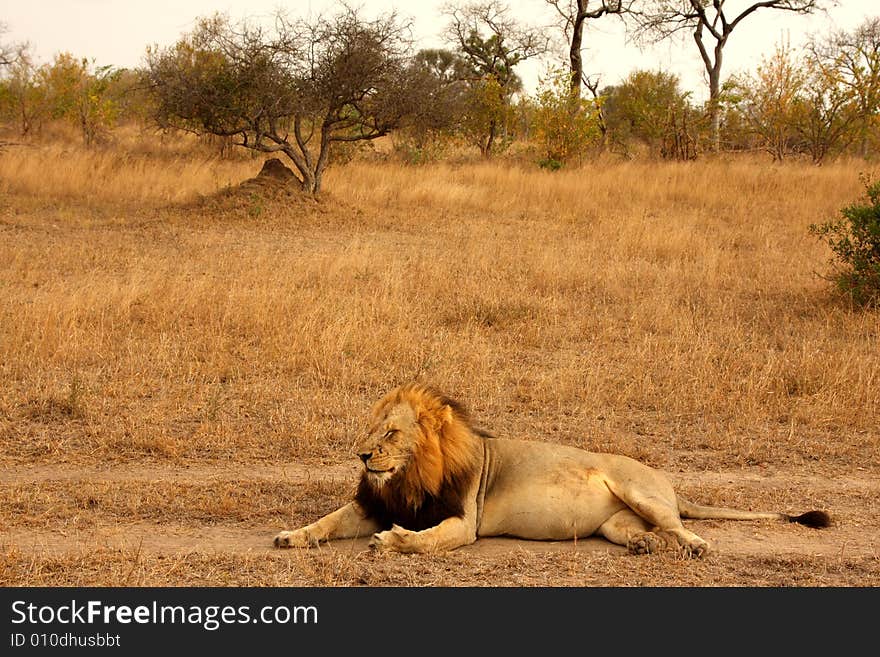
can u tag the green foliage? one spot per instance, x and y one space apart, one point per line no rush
22 99
854 239
771 101
79 91
487 115
564 124
550 164
645 107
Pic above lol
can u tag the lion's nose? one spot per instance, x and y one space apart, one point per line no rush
365 456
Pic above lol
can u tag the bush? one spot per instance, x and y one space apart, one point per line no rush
565 126
854 239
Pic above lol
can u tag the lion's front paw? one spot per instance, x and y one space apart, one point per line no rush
300 538
397 539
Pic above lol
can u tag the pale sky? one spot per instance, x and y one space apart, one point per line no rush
117 32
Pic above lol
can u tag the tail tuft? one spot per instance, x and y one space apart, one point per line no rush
815 519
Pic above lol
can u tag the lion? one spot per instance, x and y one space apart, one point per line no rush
432 481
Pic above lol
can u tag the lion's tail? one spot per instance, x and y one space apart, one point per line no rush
687 509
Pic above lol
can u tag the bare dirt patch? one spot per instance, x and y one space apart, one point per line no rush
213 524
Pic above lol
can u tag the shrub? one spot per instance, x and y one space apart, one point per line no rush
854 239
565 126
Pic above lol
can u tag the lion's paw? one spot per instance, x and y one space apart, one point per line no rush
696 549
300 538
653 542
395 539
687 544
646 543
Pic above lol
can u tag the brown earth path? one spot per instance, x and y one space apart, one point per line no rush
853 533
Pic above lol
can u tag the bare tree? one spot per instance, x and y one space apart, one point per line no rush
574 15
10 53
491 41
7 52
493 44
854 59
711 25
825 113
296 89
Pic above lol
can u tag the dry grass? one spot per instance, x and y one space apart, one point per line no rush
671 312
519 568
71 505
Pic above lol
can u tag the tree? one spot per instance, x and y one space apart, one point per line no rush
711 27
78 90
574 15
825 112
296 89
646 107
9 52
22 98
443 77
770 99
796 105
440 80
853 58
492 44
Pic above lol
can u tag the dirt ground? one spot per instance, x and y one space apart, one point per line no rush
77 534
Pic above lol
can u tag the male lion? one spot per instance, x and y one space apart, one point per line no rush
432 481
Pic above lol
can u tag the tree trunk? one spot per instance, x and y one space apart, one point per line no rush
574 54
715 108
713 69
302 161
715 97
490 140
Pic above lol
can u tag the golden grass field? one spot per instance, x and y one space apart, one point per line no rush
186 364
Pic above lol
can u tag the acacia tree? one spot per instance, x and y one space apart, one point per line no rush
296 89
492 43
711 25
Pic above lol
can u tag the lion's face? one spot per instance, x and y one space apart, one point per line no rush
418 447
386 450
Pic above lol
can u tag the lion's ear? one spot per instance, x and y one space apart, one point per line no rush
435 417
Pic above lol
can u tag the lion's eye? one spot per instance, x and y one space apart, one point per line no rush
390 433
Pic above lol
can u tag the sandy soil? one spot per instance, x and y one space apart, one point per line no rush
850 544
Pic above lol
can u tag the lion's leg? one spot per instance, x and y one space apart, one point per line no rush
347 522
660 512
623 526
447 535
628 528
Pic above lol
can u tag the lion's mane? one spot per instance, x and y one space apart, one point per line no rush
445 457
